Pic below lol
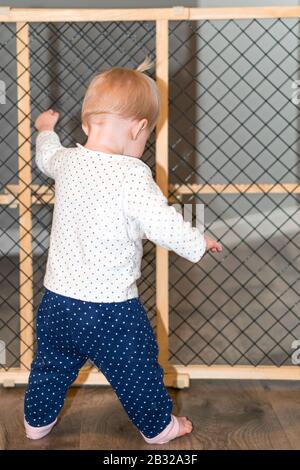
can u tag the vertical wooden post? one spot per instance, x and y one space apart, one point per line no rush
24 195
162 258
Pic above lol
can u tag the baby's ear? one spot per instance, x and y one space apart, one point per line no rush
85 129
142 124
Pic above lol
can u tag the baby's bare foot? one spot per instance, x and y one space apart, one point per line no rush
179 426
185 425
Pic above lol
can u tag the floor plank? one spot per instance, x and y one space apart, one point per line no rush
231 415
225 414
285 399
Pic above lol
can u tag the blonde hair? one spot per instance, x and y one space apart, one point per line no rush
129 93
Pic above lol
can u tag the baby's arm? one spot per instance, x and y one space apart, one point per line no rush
47 142
161 223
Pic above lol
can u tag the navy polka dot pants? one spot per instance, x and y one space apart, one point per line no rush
118 338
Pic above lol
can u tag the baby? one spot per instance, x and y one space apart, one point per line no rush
106 202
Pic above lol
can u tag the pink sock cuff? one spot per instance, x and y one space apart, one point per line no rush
34 432
169 433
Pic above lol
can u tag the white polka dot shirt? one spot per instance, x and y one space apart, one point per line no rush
105 204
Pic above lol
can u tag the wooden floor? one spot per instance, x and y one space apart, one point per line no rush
226 415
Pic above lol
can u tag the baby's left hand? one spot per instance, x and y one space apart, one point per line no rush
212 245
47 120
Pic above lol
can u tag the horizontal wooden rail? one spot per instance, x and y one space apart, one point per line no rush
236 372
32 15
282 188
39 15
176 374
236 13
43 194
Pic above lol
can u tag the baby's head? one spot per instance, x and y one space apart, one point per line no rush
121 108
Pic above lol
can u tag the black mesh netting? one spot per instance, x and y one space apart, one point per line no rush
233 122
63 59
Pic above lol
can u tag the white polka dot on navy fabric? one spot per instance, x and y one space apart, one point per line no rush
70 331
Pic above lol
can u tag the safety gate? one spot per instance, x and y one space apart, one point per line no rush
228 138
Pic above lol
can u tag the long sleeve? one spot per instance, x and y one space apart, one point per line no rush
161 223
47 145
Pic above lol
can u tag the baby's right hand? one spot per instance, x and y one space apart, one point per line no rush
212 245
47 120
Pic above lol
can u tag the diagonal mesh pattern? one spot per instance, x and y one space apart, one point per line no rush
9 236
63 59
233 123
233 146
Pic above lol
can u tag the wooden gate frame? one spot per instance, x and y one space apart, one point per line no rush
21 196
